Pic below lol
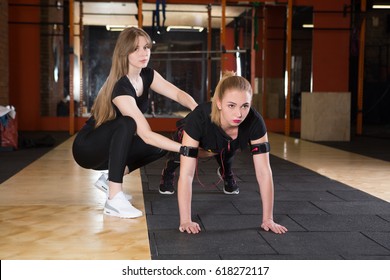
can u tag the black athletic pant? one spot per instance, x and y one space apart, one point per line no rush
113 146
224 159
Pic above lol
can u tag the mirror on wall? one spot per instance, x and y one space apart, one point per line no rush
180 52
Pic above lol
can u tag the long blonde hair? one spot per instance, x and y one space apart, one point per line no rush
229 81
102 109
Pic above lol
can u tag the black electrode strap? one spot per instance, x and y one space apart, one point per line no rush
189 151
260 148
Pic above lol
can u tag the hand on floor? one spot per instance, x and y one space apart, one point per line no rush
274 227
190 227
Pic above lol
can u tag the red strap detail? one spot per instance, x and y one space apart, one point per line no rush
214 184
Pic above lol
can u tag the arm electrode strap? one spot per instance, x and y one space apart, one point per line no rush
189 151
261 148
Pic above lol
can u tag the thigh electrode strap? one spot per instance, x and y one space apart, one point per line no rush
260 148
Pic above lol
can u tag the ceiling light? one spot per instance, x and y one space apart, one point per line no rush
184 28
115 27
381 6
308 25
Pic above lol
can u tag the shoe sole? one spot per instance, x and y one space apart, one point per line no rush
235 192
166 192
115 214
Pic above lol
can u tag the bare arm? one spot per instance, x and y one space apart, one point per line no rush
163 87
266 186
128 107
184 190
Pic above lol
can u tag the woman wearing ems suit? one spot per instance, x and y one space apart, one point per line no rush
219 128
118 137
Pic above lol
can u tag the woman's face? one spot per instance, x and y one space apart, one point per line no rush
234 107
140 57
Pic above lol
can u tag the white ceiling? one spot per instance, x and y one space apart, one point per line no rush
116 13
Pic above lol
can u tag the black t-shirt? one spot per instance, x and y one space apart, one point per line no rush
212 138
124 87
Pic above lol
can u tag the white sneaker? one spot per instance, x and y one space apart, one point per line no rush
102 184
120 207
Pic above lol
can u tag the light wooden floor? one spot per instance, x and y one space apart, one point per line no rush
50 210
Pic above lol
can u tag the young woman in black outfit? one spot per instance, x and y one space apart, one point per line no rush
118 137
219 129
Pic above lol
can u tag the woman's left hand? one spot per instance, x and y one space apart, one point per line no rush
274 227
190 227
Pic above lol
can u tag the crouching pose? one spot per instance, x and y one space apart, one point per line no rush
118 137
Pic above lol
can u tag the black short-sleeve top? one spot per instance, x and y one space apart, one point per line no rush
124 87
212 138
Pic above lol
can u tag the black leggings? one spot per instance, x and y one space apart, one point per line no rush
224 159
113 146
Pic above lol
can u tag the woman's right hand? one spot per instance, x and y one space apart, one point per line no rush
190 227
